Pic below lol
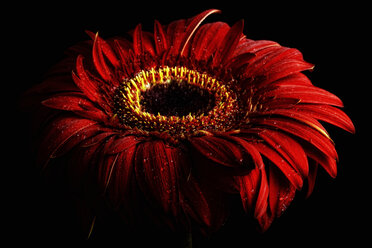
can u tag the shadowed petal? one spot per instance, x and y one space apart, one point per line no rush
288 148
58 133
156 175
279 161
218 150
228 45
304 132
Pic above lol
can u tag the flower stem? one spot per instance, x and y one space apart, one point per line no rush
188 240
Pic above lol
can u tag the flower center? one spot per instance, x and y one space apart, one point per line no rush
175 101
177 98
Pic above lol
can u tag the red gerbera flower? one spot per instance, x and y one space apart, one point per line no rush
180 117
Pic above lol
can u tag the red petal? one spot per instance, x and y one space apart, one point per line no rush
294 114
311 178
228 45
328 163
218 150
58 133
156 174
328 114
92 141
250 149
68 101
288 148
106 49
122 143
261 204
138 40
249 188
305 94
105 171
99 60
87 84
175 36
125 53
302 131
254 191
281 192
277 62
193 24
280 162
207 39
253 46
161 42
76 139
77 103
121 180
242 60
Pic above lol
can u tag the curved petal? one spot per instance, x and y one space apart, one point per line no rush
63 128
251 150
156 174
288 148
280 162
228 45
219 150
328 114
305 94
76 102
207 39
88 85
121 144
306 133
160 38
142 42
193 24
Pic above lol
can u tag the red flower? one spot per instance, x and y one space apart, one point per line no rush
179 117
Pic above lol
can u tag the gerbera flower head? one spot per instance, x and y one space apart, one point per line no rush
182 116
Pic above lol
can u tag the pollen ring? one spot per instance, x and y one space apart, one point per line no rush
207 105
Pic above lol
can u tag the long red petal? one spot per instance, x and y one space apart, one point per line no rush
138 46
58 133
288 148
219 150
311 178
87 84
228 45
281 192
122 178
279 161
251 150
327 162
122 143
155 176
305 94
161 42
302 131
207 39
328 114
249 187
193 24
99 60
76 139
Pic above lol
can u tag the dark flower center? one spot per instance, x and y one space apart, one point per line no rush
176 102
177 98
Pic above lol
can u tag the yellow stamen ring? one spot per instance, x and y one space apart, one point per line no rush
132 114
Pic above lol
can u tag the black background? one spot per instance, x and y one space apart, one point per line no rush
333 37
